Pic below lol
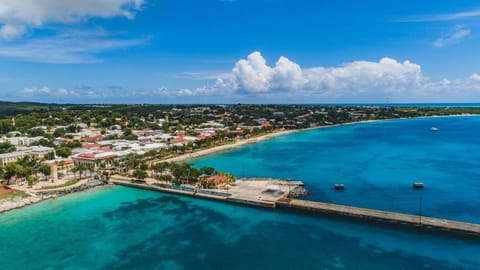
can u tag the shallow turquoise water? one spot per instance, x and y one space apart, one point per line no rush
378 162
124 228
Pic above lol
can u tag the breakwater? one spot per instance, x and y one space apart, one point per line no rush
67 190
40 195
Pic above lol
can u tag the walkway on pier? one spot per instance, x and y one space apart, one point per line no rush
383 216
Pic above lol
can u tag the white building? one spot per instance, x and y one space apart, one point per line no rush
33 151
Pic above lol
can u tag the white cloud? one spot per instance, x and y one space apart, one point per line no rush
475 77
443 17
67 48
9 32
46 91
202 75
453 37
35 13
253 75
34 90
253 80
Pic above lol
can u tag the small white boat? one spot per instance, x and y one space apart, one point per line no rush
434 129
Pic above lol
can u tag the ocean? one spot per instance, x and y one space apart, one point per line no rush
126 228
378 162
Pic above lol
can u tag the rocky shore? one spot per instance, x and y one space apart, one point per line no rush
298 192
17 202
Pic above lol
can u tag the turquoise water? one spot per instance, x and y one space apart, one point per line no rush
378 162
124 228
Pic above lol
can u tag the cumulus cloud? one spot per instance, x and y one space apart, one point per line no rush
253 80
453 37
17 15
253 75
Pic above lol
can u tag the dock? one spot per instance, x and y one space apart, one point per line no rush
199 193
313 207
378 216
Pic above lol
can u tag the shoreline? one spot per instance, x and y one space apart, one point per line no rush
240 143
42 195
17 202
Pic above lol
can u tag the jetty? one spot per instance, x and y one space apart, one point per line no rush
249 193
379 216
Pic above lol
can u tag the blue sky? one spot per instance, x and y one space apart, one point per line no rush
243 51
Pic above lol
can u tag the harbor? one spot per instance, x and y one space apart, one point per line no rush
274 194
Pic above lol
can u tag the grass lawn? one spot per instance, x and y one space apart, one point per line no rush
13 194
66 184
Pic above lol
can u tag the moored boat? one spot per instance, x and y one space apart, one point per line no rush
418 185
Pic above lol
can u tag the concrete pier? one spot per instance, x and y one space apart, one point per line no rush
378 216
383 216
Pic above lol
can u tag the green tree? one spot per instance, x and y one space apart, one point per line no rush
127 132
161 167
7 147
180 171
81 169
35 132
165 178
64 152
31 180
44 142
140 174
45 170
49 156
207 170
59 132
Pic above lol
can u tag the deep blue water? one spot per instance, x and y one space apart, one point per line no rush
125 228
378 162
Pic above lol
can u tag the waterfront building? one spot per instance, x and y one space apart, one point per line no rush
92 158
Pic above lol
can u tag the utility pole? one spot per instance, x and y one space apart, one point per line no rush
420 210
289 181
